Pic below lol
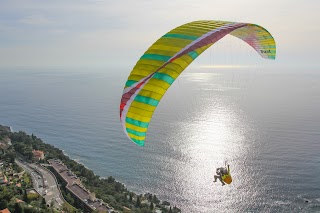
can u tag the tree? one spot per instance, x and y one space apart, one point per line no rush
18 208
151 206
51 203
111 179
138 204
25 196
70 199
3 203
118 186
43 203
155 199
10 157
32 197
33 137
166 203
68 208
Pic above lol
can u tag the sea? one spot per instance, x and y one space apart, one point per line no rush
262 121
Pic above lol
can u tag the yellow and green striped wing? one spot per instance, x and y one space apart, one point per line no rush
164 61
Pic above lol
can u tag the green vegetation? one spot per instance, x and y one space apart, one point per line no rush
14 182
108 189
16 199
68 208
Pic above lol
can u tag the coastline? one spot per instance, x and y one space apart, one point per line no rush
129 201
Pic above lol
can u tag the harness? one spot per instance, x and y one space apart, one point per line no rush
226 177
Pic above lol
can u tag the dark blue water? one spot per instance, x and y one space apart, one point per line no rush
265 123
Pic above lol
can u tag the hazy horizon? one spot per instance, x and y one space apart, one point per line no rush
109 33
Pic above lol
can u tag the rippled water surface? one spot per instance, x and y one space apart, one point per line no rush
265 123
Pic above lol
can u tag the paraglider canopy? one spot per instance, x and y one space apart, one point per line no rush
165 60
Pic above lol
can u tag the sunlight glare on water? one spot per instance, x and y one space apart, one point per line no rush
214 132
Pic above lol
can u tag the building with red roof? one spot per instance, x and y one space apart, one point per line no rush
38 155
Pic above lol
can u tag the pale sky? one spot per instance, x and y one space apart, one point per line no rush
110 33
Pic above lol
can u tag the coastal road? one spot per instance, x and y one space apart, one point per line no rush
44 182
36 179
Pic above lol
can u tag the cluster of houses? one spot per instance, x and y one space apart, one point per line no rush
8 175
